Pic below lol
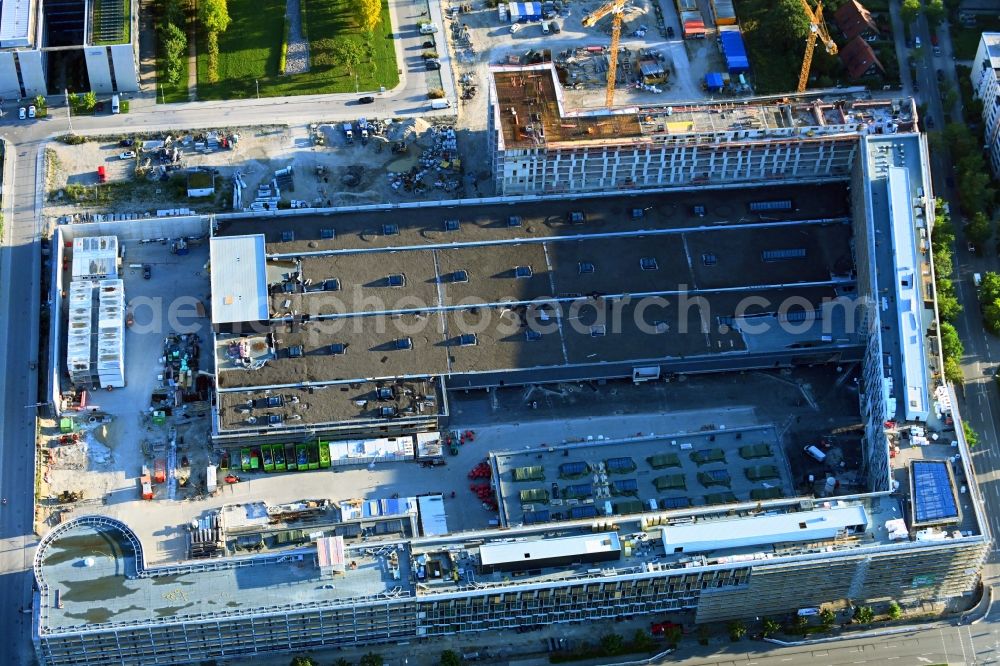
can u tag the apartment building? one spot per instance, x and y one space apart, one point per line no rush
539 145
986 86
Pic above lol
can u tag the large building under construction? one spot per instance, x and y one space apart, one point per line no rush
357 325
539 146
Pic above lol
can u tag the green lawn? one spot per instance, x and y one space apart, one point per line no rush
965 40
250 51
170 93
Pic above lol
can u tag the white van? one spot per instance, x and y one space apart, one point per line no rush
440 104
115 104
545 27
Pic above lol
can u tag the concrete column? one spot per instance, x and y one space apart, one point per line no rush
9 85
32 72
126 70
98 70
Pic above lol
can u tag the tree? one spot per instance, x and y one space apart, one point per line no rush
953 371
895 612
864 615
368 14
299 660
951 344
612 644
934 10
89 101
371 659
347 53
787 22
910 11
341 662
971 436
827 617
989 288
450 658
213 15
991 316
642 641
672 634
771 627
737 630
173 46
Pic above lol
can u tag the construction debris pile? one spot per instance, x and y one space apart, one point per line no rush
439 162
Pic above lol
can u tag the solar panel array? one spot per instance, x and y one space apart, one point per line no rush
933 494
620 465
109 22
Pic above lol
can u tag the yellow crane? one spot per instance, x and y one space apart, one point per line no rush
817 29
615 8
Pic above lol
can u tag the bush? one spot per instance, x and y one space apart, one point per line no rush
771 627
435 93
124 106
827 617
737 630
894 612
864 615
612 644
282 61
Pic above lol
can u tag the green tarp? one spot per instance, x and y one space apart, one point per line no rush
530 473
751 451
664 460
670 482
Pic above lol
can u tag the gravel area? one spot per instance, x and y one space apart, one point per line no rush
297 56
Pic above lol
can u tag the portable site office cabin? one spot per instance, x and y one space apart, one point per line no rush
734 50
522 12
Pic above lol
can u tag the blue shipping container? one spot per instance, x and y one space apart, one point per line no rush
734 51
713 81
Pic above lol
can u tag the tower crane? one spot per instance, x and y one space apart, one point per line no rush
615 8
817 30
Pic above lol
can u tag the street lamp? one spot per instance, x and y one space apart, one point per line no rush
257 83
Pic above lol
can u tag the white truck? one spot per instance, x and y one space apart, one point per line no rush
349 132
440 104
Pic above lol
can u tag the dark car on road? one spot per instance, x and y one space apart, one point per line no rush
367 99
147 272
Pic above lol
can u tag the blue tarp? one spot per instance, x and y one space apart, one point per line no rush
713 81
734 51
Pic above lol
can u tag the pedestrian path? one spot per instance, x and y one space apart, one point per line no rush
192 35
297 55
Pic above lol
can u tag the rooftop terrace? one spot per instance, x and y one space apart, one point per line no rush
93 570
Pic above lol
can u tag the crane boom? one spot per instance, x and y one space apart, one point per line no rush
614 8
817 31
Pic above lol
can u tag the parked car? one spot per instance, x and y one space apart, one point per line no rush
972 248
514 28
367 99
126 143
127 155
670 32
31 111
147 271
22 113
432 63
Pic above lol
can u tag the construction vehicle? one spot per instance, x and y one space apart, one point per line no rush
615 8
817 29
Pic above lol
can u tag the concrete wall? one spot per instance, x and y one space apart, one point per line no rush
32 65
10 87
152 228
98 69
126 71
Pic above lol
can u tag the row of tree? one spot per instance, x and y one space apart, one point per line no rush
942 242
213 18
448 658
173 40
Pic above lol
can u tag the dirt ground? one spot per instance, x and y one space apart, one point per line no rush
327 169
